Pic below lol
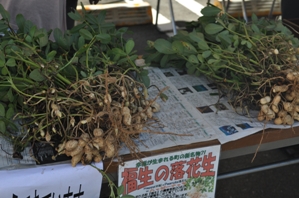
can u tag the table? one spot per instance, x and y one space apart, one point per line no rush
261 141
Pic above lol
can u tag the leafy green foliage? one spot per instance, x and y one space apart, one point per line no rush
202 184
236 55
30 62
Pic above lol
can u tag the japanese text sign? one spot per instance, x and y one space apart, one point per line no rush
189 173
51 181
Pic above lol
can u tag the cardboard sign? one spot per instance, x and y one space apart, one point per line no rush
51 181
189 173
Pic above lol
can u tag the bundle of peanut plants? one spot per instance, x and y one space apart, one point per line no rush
81 93
247 61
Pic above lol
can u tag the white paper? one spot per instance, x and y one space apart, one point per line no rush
168 175
51 181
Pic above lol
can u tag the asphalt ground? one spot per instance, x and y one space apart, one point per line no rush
279 182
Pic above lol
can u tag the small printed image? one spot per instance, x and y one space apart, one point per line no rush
168 74
212 85
200 88
228 130
214 94
185 90
244 126
204 109
181 71
220 107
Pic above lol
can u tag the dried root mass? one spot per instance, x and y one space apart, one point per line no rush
282 103
91 119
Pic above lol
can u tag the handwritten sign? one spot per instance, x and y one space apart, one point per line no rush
189 173
51 181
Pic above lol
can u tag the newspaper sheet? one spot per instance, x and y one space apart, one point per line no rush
195 108
201 97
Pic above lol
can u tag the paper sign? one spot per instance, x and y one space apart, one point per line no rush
51 181
189 173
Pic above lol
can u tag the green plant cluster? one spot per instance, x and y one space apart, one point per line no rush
243 59
203 184
31 63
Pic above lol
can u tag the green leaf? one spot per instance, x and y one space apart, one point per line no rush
32 31
255 28
188 48
2 63
28 39
270 27
104 38
196 36
164 61
3 27
248 44
10 95
4 71
206 54
2 123
133 57
211 61
163 97
232 27
83 74
210 11
10 113
200 58
193 59
91 19
254 18
129 46
224 38
27 26
81 42
43 39
4 13
78 27
75 16
20 20
101 16
120 190
118 51
2 110
57 33
177 47
190 68
11 62
236 43
51 55
143 75
36 75
213 28
86 34
163 46
216 56
204 20
116 57
98 73
203 45
122 60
